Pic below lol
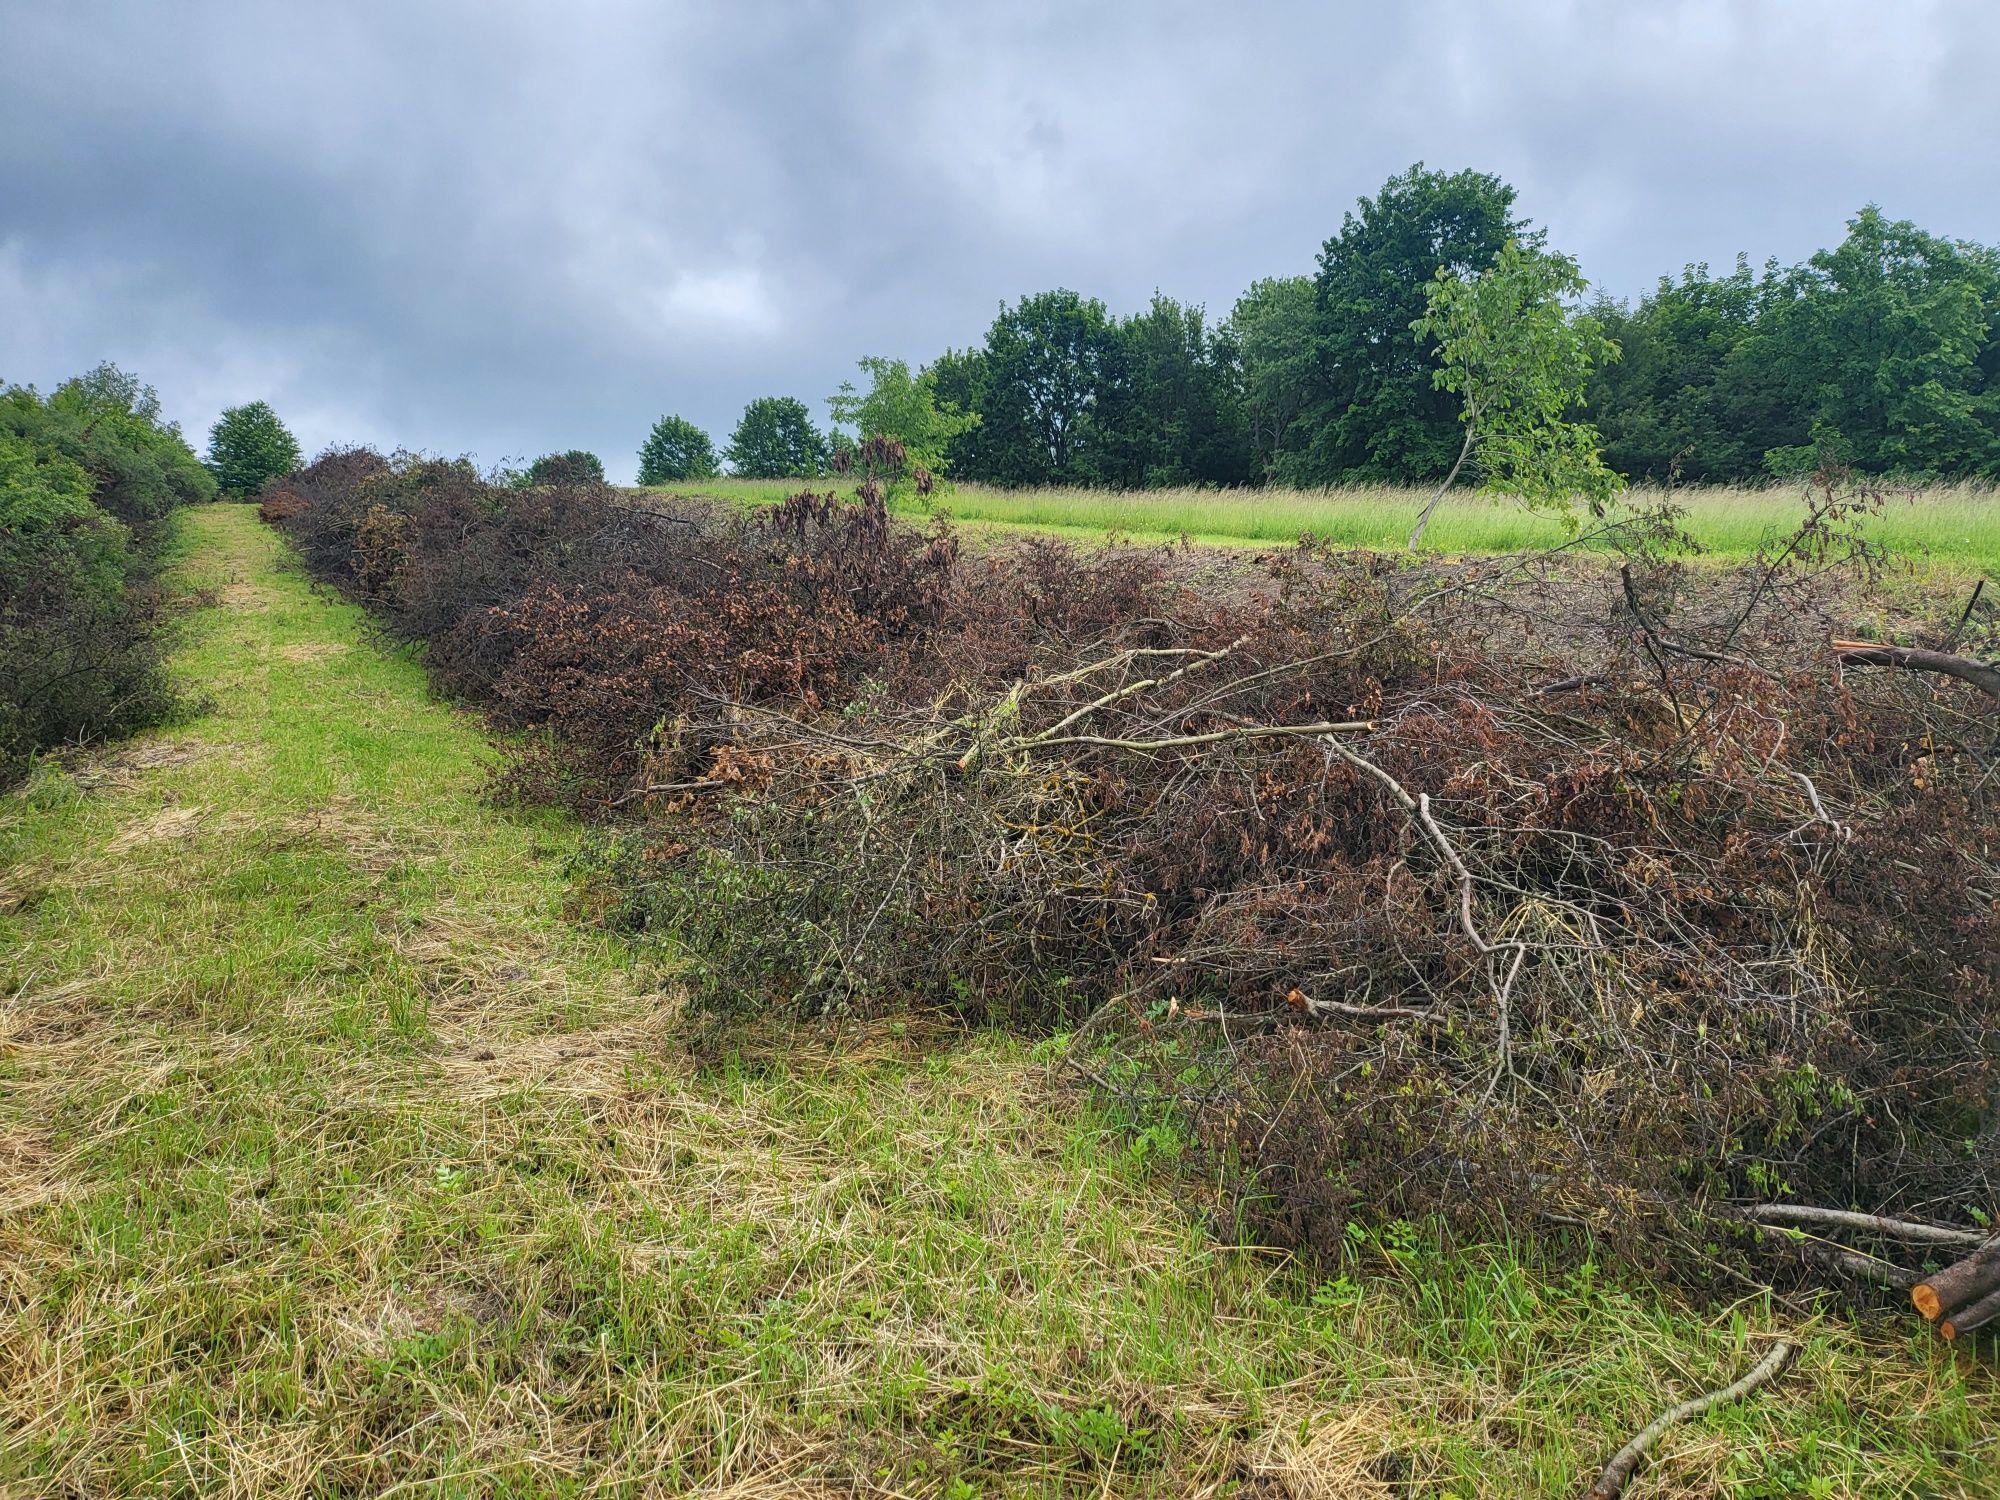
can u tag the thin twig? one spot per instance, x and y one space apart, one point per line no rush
1214 737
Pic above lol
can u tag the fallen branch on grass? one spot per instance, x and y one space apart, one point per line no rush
1795 1215
1618 1473
1980 674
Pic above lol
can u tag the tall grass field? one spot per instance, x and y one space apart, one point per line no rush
1956 527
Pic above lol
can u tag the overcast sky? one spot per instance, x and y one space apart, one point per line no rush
502 229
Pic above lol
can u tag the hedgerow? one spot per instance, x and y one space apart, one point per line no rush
88 476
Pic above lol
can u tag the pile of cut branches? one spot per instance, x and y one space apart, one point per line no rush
1518 891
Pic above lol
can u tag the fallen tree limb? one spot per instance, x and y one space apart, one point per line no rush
1618 1473
1178 741
1980 674
1804 1214
1861 1266
662 790
1657 634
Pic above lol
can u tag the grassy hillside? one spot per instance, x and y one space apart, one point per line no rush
337 1158
1956 527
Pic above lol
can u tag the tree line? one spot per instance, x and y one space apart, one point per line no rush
1883 352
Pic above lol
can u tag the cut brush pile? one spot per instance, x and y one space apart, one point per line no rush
1509 892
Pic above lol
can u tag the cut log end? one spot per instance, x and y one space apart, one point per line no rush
1962 1292
1973 1316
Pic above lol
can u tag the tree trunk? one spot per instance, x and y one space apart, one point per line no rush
1424 515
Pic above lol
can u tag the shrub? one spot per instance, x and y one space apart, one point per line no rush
574 467
87 477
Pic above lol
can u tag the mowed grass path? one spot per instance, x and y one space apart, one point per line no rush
335 1161
1952 528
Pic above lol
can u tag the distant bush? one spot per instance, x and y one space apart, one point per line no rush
574 467
87 478
248 447
674 450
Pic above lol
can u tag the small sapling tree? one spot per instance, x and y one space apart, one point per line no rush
903 408
1510 349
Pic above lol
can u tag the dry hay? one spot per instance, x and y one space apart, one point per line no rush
312 651
1340 1455
123 768
342 826
166 825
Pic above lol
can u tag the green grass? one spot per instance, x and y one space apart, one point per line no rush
335 1158
1955 527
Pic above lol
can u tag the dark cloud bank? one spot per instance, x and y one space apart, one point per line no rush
503 229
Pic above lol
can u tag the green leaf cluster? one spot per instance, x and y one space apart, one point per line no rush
904 406
1509 348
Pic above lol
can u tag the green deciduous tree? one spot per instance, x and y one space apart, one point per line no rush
576 466
903 407
959 381
676 450
1168 409
1045 363
1662 407
1518 361
776 439
1375 413
247 446
1883 350
1271 329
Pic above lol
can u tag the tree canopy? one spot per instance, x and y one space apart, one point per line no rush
904 407
676 450
1518 361
776 439
1375 413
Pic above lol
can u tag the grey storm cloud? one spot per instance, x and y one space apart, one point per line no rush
507 228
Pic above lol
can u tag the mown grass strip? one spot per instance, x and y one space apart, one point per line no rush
333 1159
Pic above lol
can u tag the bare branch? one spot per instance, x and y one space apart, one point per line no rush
1618 1473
